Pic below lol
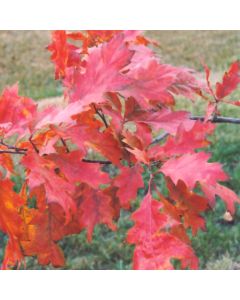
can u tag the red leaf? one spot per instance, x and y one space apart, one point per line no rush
207 73
150 81
192 168
189 205
90 86
7 163
227 195
140 155
42 171
154 247
148 221
185 141
11 223
40 241
75 170
63 54
111 148
128 183
16 112
157 254
186 84
230 81
95 208
236 103
166 119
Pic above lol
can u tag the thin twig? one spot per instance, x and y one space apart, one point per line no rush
65 145
101 115
33 145
159 138
12 147
102 162
217 119
12 152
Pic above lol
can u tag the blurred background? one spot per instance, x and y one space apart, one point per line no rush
24 59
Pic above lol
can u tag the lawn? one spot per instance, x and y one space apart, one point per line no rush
23 58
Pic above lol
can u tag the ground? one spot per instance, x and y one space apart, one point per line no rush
23 59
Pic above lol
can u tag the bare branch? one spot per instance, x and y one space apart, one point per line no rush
218 119
13 152
102 162
65 145
33 145
159 138
101 115
12 147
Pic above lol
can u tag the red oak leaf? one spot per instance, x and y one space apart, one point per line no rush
63 54
128 182
111 148
75 170
230 81
11 223
144 134
7 163
140 155
96 37
166 119
95 208
159 251
189 205
40 241
57 116
42 171
192 168
153 81
227 195
92 38
185 141
16 112
176 227
90 86
186 84
207 73
148 219
149 81
154 247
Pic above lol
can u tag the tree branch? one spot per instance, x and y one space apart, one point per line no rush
65 145
159 138
33 145
12 152
101 115
12 147
218 119
102 162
